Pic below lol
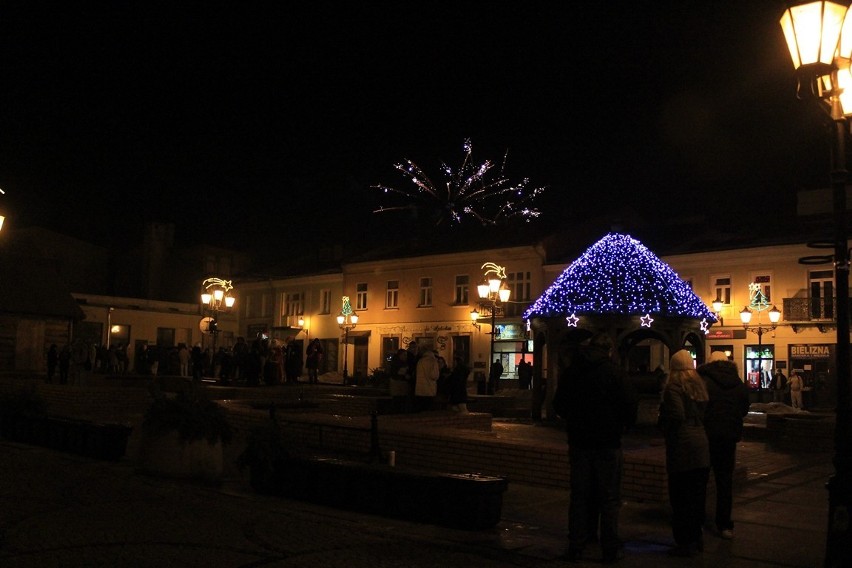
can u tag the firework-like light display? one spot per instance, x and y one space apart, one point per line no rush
619 275
474 191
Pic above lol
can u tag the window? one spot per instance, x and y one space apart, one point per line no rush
462 289
722 289
425 292
821 285
325 301
293 304
361 296
392 299
519 284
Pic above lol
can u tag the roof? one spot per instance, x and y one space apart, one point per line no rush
619 275
30 286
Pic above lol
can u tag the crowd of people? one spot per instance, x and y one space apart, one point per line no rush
701 419
421 380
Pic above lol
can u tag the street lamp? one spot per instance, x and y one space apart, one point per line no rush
819 36
493 294
216 298
347 319
774 317
717 309
2 217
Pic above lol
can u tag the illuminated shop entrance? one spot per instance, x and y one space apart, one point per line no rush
758 364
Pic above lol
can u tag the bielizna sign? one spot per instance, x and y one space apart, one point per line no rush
810 351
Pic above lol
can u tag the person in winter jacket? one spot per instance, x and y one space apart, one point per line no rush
687 453
598 405
426 383
723 423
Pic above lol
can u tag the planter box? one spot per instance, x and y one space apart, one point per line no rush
465 501
90 439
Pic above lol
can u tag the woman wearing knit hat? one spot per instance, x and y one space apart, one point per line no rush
687 452
723 422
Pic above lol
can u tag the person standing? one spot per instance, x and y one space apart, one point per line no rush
687 452
240 356
183 358
426 384
52 362
494 375
292 360
723 423
197 357
778 385
64 364
525 373
457 386
599 406
312 362
796 386
400 383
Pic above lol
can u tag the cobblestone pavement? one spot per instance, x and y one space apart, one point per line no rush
63 510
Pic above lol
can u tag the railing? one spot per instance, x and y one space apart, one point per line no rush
817 310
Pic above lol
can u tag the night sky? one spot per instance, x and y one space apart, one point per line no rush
246 123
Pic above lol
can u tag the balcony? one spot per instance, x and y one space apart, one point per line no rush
817 312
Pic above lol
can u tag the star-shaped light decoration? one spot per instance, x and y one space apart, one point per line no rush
647 320
572 320
704 327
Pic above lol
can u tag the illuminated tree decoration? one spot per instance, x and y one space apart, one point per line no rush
347 307
475 191
619 275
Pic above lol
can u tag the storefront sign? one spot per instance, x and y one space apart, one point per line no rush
810 351
720 334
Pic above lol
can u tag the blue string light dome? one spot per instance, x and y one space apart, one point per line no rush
619 275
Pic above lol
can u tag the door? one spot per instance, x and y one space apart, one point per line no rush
359 364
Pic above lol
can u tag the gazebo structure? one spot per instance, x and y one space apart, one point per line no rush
618 287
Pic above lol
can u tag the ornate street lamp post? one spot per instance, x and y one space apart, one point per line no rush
493 294
819 36
347 319
216 298
759 304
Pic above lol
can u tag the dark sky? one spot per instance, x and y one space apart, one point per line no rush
244 122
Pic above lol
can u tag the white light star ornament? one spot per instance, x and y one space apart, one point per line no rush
704 326
572 320
647 320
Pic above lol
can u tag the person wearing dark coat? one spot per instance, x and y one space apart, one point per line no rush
52 362
457 385
723 422
599 406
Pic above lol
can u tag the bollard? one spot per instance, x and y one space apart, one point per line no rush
375 451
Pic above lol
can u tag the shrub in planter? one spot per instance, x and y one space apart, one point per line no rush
182 435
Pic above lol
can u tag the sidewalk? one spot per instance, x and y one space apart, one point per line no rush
63 510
